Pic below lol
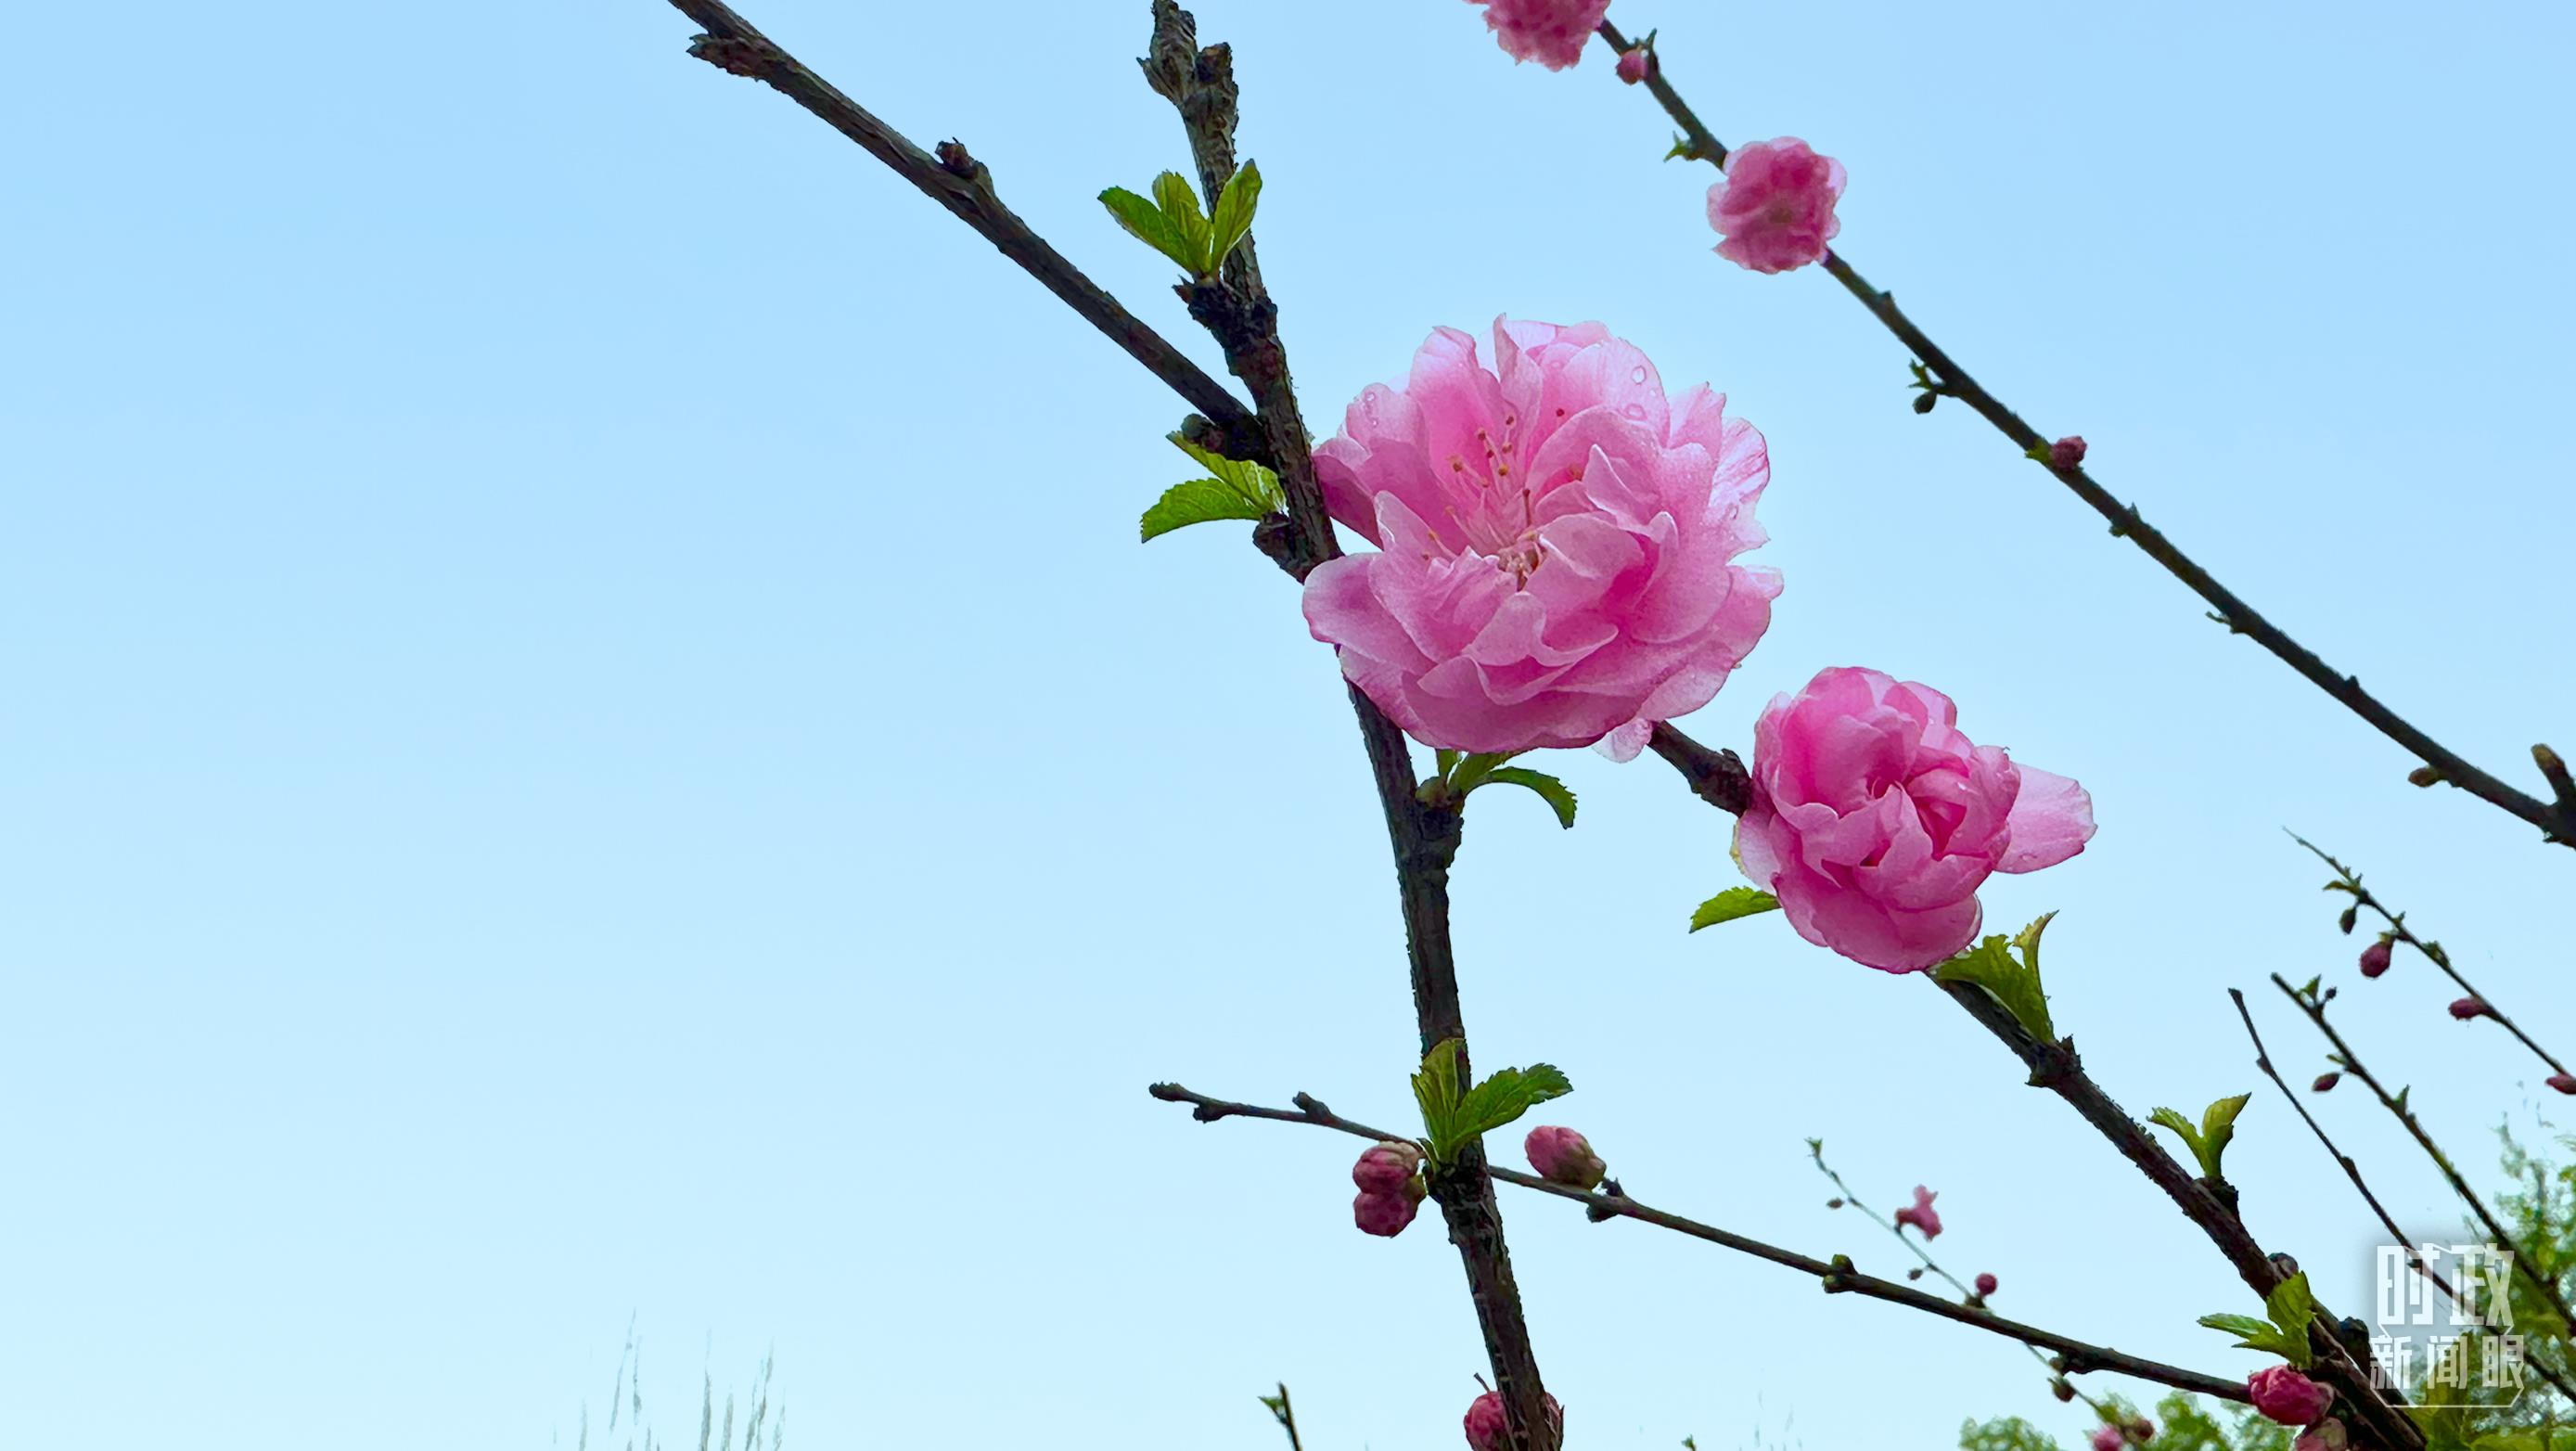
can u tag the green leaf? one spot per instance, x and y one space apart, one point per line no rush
1233 218
1180 203
1435 1088
2026 941
1732 903
1447 761
1551 790
2218 1126
1991 965
2238 1325
1507 1095
1249 480
2183 1129
1200 501
1146 223
2291 1306
2261 1335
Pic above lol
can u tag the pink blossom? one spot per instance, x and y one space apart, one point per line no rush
1562 1156
1635 64
2470 1007
2284 1395
1386 1215
1985 1285
2325 1435
1874 821
2067 453
1387 1168
1554 538
2374 958
1550 32
2108 1438
1921 1214
1487 1430
1775 205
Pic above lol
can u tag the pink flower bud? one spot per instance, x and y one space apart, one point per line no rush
1387 1168
1633 64
2284 1395
2325 1081
2325 1435
2470 1007
1921 1214
2562 1082
2108 1438
1985 1286
1386 1215
1487 1430
1561 1156
2374 958
2067 453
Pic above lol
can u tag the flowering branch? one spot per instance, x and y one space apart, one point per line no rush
1237 309
2350 881
1836 1275
2314 1005
2556 821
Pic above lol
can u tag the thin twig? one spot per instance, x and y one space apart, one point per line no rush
2397 1105
2557 822
2433 951
1837 1275
1717 777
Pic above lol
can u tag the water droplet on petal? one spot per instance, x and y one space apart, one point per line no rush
1637 376
1636 411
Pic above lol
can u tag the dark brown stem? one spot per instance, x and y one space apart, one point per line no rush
1237 309
2433 951
2208 1204
958 182
1715 776
1837 1275
2397 1105
2556 821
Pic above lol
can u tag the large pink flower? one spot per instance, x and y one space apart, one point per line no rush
1874 821
1555 536
1550 32
1775 205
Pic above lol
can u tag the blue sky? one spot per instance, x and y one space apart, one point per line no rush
589 735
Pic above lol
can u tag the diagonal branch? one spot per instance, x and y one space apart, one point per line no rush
960 183
1836 1274
2556 821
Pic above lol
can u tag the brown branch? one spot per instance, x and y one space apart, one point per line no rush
1837 1274
2396 1104
2433 951
2557 822
1238 310
1716 777
960 183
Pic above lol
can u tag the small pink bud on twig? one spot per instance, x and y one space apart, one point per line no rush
2325 1081
2564 1083
1921 1214
1562 1156
1488 1430
2287 1397
1985 1286
2470 1007
2142 1430
2108 1438
1635 64
1386 1168
2067 453
2375 958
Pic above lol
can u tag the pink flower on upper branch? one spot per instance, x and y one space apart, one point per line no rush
1921 1214
1874 821
1775 205
1562 1156
1551 32
1487 1430
1554 536
2284 1395
1634 64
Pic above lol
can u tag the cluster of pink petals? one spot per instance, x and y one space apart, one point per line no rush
1922 1215
1874 821
1551 32
1489 1430
1391 1188
2285 1396
1562 1156
1554 539
1774 207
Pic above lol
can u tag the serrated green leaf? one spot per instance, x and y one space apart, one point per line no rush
1732 903
1435 1089
1991 965
2260 1335
2026 941
2291 1306
1233 217
2239 1325
1474 767
1199 501
1507 1095
1179 200
1558 796
2183 1129
1253 483
1146 223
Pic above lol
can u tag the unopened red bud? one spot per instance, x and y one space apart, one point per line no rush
2425 776
2564 1083
1985 1286
1562 1156
2470 1007
1386 1215
2067 453
2142 1430
2325 1081
2108 1438
1915 1273
1489 1430
2374 958
1634 64
1833 1204
1386 1168
2350 919
2061 1390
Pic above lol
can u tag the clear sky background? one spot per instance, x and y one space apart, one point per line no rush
588 734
